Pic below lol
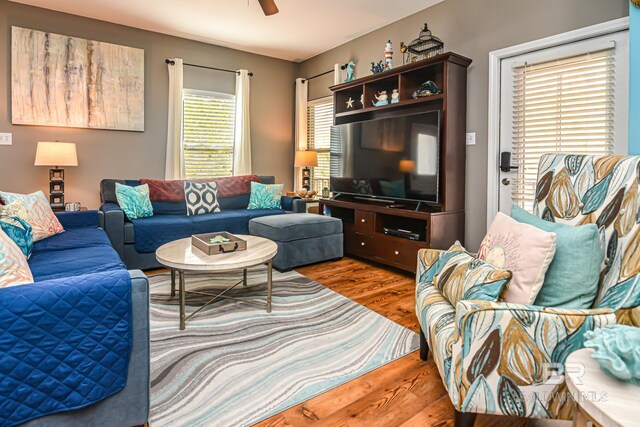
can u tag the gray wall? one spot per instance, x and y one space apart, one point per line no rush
116 154
472 28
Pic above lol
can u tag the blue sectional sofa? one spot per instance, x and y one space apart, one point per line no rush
137 240
82 259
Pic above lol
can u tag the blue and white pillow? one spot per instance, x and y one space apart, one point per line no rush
266 196
134 201
18 230
201 197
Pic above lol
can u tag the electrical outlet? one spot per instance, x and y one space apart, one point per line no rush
471 138
5 139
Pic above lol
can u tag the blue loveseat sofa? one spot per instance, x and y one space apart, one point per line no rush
137 240
80 259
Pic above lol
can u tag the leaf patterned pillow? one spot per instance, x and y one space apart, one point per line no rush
134 201
43 221
461 276
265 196
14 269
19 231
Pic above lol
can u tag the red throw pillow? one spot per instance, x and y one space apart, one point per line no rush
173 190
235 185
165 191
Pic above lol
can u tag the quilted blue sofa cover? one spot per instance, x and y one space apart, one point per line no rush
137 240
81 333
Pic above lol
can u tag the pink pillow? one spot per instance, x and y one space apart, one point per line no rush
524 250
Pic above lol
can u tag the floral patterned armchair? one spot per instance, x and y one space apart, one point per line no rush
508 359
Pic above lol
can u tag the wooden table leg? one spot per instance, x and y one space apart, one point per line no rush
182 300
269 284
173 282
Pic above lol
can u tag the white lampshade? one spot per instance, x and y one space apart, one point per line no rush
56 154
306 159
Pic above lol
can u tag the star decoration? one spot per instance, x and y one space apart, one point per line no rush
350 103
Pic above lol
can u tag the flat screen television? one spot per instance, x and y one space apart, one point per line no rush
392 159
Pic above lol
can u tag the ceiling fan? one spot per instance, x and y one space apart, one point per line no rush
268 7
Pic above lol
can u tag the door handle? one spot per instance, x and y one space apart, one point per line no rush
505 162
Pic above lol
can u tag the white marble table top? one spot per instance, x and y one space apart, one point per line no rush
181 255
608 401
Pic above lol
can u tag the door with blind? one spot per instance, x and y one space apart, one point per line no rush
571 98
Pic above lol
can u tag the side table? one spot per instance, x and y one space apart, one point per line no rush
599 398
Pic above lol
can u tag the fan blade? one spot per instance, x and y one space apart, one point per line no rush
268 7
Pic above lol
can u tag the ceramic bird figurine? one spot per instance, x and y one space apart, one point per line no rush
404 49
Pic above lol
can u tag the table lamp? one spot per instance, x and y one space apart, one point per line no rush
56 154
305 160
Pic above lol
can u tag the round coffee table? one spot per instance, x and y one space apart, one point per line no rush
180 256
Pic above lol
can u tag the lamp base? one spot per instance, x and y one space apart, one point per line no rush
56 189
306 179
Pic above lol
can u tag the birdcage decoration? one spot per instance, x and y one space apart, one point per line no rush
425 46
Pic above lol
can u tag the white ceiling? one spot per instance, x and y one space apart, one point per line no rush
302 29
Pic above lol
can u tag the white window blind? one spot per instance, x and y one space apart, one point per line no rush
561 106
320 120
208 132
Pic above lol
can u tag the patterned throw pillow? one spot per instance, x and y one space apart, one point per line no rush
265 196
461 276
43 221
134 201
14 269
15 208
201 198
524 250
19 231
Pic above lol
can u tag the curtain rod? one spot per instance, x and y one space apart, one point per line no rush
342 67
172 62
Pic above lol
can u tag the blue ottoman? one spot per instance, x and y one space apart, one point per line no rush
301 238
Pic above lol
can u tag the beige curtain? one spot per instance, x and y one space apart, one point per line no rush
301 124
174 163
242 145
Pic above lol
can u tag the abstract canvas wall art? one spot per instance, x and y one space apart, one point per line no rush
58 80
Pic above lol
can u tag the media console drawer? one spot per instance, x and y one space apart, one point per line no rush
364 221
401 252
358 244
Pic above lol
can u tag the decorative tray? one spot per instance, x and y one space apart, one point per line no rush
218 243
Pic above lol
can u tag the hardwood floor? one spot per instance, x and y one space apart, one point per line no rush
406 392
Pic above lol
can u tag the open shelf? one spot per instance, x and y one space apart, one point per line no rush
408 102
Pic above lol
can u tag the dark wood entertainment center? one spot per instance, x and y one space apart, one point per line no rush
437 225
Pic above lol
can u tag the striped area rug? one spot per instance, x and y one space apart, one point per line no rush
235 365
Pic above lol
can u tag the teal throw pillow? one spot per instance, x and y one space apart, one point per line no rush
574 273
19 231
134 201
265 196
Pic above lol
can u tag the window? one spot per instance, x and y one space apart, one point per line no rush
208 133
320 120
